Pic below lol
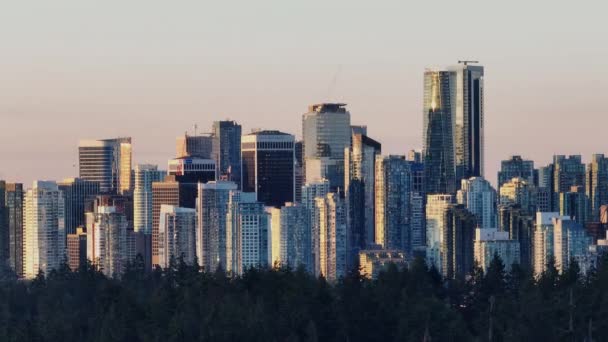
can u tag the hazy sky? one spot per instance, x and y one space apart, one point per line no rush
152 69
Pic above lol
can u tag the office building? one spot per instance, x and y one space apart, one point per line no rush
332 238
144 176
44 233
516 167
227 150
14 201
192 170
359 185
597 185
176 235
107 162
76 194
77 249
194 146
247 233
268 162
326 132
479 197
490 242
212 236
291 239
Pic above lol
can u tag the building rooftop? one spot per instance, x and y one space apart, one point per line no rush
328 108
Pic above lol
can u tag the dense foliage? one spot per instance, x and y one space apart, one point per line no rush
415 304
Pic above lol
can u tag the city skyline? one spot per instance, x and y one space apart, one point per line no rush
78 78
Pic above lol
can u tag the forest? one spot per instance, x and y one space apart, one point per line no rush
183 303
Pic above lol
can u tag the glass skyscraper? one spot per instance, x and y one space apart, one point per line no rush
107 162
227 150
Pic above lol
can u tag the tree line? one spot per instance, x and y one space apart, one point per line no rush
182 303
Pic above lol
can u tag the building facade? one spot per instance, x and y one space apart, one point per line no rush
479 197
291 238
107 162
227 150
144 175
490 242
176 235
76 194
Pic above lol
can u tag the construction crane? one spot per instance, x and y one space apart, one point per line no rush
467 62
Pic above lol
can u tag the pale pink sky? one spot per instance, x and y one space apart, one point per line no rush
151 70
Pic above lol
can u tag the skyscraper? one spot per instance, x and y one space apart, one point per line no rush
543 240
213 240
597 185
456 249
567 172
4 232
195 146
76 193
14 211
359 184
176 235
247 233
453 125
437 207
227 150
77 249
393 194
291 236
107 162
479 197
108 237
145 175
518 191
570 242
574 204
310 192
514 167
519 225
192 170
333 243
326 132
44 234
268 162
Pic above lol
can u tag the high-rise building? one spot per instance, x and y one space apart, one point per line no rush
77 249
227 150
333 243
373 261
310 192
247 233
437 206
543 241
299 169
108 240
597 185
575 204
145 175
479 197
567 172
192 170
176 235
268 162
77 193
326 132
393 195
14 211
490 242
44 233
519 225
195 146
169 192
570 242
453 126
516 167
519 191
456 250
291 236
107 162
359 185
212 236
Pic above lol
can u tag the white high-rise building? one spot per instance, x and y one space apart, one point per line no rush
490 242
310 192
176 235
145 175
44 235
247 233
213 240
108 240
436 209
543 240
333 246
291 236
479 197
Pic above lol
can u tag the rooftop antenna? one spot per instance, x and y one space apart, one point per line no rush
195 128
467 62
